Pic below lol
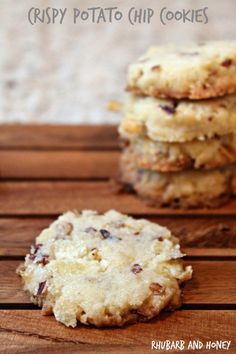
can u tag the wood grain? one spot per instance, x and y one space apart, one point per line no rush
30 198
204 288
199 236
58 164
46 170
29 332
59 137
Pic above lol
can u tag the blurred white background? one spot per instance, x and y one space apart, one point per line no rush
68 73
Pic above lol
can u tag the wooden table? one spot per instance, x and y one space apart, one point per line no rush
46 170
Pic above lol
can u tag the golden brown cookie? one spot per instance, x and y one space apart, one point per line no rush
105 270
173 157
178 121
186 189
190 70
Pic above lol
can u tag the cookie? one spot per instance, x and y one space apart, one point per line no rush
187 189
104 270
172 157
178 121
191 70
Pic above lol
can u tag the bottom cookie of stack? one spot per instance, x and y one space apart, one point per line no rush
185 189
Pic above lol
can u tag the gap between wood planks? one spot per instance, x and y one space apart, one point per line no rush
183 307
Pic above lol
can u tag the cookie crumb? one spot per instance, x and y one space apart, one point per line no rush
114 106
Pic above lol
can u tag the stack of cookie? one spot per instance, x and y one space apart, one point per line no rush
179 125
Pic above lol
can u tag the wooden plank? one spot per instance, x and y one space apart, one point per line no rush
58 136
201 231
199 236
58 164
30 198
26 331
213 283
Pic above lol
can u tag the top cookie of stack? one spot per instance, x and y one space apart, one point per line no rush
193 71
181 115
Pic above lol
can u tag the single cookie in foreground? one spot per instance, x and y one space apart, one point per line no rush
172 157
185 189
178 121
105 270
190 70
